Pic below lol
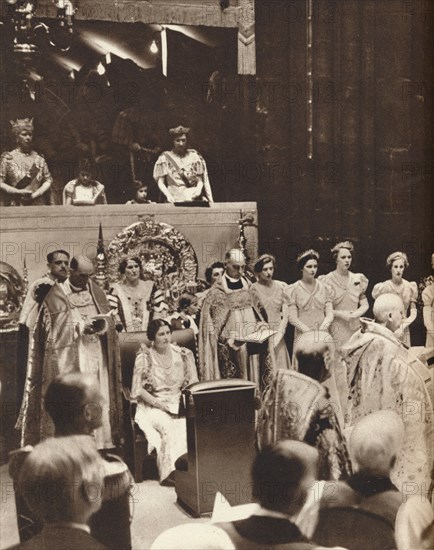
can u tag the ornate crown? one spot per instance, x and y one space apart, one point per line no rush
179 131
21 124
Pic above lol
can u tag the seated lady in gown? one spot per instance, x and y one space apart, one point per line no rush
24 175
181 174
271 294
309 300
131 297
84 190
397 262
348 294
161 372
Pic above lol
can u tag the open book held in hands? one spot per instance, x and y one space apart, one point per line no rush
101 322
258 336
88 202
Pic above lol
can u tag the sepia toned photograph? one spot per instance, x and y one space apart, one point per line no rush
216 274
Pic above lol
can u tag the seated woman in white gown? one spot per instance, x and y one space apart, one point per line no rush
161 372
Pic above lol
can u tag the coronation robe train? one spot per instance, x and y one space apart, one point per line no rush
382 373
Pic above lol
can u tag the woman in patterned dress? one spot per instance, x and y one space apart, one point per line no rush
348 294
131 297
309 300
271 294
161 372
181 174
397 262
24 175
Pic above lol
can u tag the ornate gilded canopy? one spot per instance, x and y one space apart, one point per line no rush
166 255
12 292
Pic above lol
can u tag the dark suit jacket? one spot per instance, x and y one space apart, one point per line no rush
266 532
374 494
60 538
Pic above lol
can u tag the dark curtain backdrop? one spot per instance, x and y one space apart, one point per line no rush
370 178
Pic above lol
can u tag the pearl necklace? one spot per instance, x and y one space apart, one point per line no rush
164 359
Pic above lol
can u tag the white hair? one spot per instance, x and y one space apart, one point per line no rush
376 440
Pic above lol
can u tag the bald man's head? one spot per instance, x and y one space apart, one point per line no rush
389 311
81 271
235 263
376 441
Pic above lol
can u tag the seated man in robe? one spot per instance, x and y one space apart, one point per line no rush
74 333
230 312
297 406
72 466
374 446
382 373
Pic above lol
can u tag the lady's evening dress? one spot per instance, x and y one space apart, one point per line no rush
407 291
166 433
273 299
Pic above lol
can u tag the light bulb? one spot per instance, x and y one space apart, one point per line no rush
100 69
154 48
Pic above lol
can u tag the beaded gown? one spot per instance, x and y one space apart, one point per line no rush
132 304
164 377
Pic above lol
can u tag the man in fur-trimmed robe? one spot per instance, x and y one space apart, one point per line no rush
74 333
382 373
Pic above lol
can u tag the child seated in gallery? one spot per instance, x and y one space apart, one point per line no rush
141 193
85 190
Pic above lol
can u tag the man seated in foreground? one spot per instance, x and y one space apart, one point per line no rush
282 475
375 443
74 402
383 374
61 481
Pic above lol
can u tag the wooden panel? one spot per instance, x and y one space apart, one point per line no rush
187 12
31 232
